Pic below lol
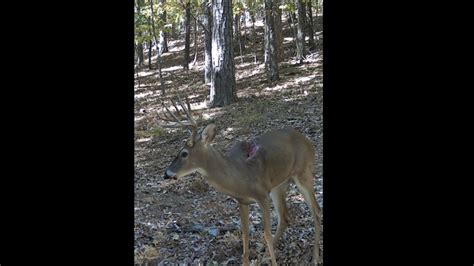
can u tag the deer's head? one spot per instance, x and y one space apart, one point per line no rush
192 157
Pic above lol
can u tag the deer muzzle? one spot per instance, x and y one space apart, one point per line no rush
169 174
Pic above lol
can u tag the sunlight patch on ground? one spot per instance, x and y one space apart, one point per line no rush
146 72
243 65
304 79
210 113
144 139
139 118
291 99
277 87
196 67
198 106
259 23
170 69
176 48
142 95
242 74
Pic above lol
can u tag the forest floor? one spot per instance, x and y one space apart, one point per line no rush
186 220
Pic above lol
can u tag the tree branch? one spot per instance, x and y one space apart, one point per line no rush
182 5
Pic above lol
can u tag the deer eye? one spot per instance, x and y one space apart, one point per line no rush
184 154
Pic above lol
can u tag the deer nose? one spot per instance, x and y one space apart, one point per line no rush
168 174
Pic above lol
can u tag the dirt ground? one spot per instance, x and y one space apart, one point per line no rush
186 220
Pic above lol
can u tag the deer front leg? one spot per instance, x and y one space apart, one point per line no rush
267 226
244 223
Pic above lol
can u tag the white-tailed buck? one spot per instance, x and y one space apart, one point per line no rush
250 172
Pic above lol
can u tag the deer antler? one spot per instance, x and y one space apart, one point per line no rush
178 120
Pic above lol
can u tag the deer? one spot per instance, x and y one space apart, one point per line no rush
251 172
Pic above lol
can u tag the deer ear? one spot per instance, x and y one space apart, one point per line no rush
208 133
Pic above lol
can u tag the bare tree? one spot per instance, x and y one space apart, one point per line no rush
309 25
300 49
163 44
278 29
187 40
207 41
271 57
149 53
139 51
254 35
158 60
237 36
223 69
139 46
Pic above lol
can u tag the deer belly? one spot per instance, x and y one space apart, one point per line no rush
231 192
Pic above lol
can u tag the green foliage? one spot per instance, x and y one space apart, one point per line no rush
289 6
155 131
238 7
175 12
144 19
152 132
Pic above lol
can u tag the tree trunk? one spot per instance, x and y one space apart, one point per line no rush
237 35
187 27
140 55
158 60
223 69
138 77
292 24
271 61
300 49
254 36
149 55
195 41
163 43
309 26
174 34
207 43
278 29
139 46
245 39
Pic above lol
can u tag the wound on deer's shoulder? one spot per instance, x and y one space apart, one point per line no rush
252 149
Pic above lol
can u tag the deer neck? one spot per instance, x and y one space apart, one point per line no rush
221 172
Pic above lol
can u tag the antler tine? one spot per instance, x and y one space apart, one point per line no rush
165 118
188 104
168 115
176 108
170 126
168 118
176 118
187 110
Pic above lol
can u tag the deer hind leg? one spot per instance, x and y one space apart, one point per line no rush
304 183
278 195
